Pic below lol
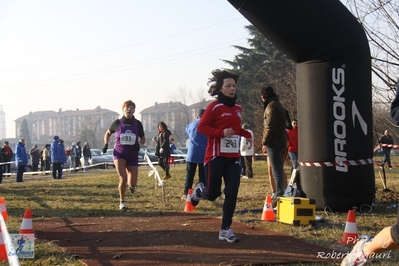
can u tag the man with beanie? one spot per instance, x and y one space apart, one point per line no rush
57 157
274 137
21 159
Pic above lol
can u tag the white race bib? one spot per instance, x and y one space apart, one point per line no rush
230 145
127 138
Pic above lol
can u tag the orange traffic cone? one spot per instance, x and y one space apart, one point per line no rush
3 208
189 206
3 251
268 213
26 225
350 233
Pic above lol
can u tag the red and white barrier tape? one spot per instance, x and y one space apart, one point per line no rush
329 164
389 145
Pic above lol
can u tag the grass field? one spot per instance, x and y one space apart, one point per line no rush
95 194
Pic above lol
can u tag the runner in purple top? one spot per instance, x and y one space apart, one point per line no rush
129 135
126 134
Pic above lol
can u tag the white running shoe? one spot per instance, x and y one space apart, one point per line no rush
198 193
228 235
357 257
122 206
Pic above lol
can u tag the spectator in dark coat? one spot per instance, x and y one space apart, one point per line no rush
35 158
78 155
86 155
274 138
6 152
386 142
162 150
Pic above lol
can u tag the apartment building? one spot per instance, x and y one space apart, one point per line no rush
68 124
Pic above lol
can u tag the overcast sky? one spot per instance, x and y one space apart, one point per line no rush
88 53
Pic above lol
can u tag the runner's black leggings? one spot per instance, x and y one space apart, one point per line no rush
229 169
163 163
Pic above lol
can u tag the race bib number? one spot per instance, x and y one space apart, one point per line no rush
127 138
230 145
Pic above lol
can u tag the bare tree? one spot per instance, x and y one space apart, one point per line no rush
185 98
380 21
90 130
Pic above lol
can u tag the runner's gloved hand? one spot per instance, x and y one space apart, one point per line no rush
136 147
105 148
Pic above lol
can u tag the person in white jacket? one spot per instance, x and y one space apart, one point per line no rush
247 153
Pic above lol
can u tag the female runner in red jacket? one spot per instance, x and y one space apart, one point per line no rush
221 123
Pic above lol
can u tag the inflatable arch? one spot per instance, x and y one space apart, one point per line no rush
334 95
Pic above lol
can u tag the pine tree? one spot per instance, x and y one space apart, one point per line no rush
25 134
262 64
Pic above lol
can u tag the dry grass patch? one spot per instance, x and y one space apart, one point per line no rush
95 194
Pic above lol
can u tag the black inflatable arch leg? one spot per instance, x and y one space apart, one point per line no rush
334 95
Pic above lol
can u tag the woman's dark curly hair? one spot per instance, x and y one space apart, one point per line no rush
216 80
164 126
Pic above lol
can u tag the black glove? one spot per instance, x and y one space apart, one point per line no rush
136 147
105 148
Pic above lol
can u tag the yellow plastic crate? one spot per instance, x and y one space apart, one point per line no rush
296 210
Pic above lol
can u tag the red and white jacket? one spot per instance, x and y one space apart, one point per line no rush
215 119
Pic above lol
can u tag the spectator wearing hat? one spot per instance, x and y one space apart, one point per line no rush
195 154
57 157
247 152
6 153
21 159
